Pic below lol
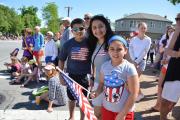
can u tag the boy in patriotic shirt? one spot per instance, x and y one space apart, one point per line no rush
118 82
76 52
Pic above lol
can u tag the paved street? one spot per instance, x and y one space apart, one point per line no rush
18 101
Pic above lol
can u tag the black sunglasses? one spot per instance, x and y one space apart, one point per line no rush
177 19
86 18
76 29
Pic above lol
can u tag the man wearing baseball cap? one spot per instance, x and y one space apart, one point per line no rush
51 51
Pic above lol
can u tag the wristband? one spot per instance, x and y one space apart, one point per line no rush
92 78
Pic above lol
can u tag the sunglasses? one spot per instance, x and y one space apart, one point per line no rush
76 29
86 18
177 19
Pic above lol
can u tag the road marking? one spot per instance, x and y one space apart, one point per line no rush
4 76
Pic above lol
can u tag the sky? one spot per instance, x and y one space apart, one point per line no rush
113 9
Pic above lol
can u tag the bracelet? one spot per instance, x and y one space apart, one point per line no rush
92 78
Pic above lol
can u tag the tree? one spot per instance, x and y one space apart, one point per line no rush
10 21
174 2
50 15
29 16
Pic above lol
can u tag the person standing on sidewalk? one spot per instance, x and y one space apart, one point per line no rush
27 44
38 45
138 49
75 51
171 86
67 34
164 63
87 18
51 51
118 82
99 33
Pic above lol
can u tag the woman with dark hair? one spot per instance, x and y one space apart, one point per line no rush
99 32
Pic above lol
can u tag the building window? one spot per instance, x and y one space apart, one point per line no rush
137 23
132 23
121 23
117 23
152 24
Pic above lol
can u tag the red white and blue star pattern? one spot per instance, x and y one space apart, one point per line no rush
114 87
78 53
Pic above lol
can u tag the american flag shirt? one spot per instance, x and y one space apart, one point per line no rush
76 54
79 53
115 79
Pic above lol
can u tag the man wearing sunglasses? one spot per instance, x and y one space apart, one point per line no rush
75 51
87 18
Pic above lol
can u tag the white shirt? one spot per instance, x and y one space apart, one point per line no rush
162 38
138 48
51 49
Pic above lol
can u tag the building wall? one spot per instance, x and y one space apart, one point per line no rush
155 28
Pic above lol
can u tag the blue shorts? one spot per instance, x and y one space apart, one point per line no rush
142 65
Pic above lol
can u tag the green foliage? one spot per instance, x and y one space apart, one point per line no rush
29 16
44 30
13 23
50 15
174 2
10 21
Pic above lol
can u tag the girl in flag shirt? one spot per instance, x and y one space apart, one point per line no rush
118 82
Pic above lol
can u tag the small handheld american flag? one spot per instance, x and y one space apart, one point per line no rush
76 91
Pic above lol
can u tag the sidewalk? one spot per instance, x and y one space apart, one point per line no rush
35 115
149 88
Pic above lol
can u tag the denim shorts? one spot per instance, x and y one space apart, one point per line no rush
142 65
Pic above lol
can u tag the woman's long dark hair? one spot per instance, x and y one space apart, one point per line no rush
92 40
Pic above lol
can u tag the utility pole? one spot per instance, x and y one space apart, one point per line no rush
68 10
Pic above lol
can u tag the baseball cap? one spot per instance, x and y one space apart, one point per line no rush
118 38
51 33
67 19
49 67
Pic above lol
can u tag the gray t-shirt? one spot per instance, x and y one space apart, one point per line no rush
101 57
115 93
